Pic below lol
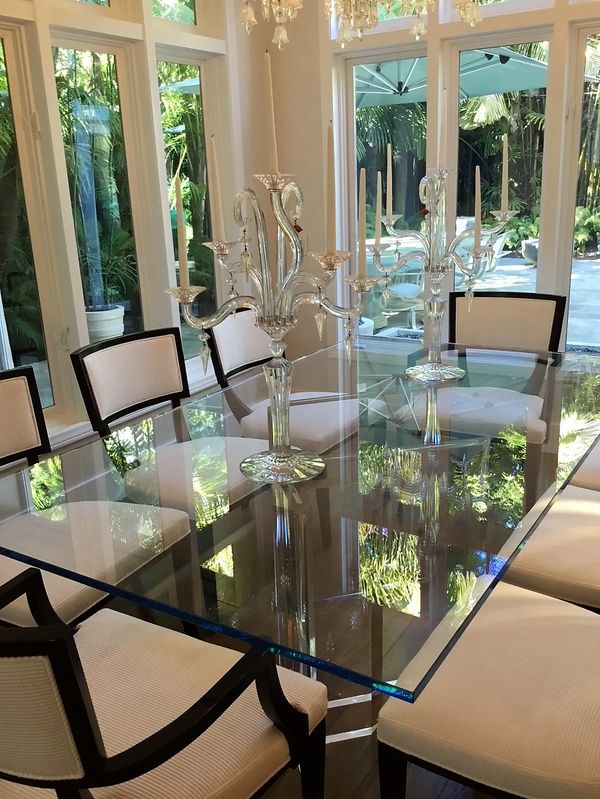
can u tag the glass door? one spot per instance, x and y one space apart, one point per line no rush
390 112
583 331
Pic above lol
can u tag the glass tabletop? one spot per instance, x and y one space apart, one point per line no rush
369 571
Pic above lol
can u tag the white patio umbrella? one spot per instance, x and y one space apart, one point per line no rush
495 70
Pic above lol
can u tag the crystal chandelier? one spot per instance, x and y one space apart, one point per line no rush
352 17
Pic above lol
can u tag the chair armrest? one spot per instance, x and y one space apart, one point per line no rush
256 666
30 583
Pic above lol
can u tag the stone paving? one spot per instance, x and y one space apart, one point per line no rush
514 274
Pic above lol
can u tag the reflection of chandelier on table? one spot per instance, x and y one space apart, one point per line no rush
352 17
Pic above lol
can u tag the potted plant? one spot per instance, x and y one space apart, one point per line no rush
109 274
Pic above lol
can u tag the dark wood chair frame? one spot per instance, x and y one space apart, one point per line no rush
32 454
56 641
557 322
393 767
102 424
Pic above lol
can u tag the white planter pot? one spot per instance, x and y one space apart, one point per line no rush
106 323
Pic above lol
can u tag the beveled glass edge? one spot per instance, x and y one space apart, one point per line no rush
231 632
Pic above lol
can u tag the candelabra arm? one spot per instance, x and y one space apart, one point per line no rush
246 194
306 277
308 298
415 255
203 322
291 189
408 234
284 300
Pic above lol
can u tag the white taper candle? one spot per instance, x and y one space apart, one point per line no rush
331 214
389 199
477 230
504 201
271 132
378 213
184 277
362 224
216 205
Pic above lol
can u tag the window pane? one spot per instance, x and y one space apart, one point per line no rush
503 90
88 97
178 10
21 332
583 305
183 131
390 107
400 8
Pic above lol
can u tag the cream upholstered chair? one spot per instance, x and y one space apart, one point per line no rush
103 539
119 376
514 707
588 471
318 419
530 323
23 431
123 709
506 320
561 556
122 375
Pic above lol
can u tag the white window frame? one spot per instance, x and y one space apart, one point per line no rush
30 28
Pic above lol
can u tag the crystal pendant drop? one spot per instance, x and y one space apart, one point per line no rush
204 350
245 262
280 37
469 294
348 338
348 344
320 318
385 293
248 17
419 28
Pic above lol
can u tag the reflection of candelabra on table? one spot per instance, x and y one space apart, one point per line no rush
275 306
438 259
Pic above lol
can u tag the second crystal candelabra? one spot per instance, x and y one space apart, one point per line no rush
279 292
438 259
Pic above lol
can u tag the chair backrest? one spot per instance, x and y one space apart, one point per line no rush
23 432
507 320
126 374
48 729
237 344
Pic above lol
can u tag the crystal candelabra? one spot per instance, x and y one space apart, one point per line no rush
438 259
275 303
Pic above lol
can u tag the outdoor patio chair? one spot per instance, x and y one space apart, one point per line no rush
127 709
138 371
71 530
513 709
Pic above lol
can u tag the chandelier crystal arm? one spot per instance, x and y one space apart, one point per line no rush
246 194
291 189
232 305
284 299
309 298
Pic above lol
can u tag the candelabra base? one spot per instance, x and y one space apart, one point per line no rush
282 466
434 372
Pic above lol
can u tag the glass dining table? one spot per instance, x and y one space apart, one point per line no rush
369 572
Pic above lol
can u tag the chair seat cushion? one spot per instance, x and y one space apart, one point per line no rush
561 557
482 411
192 473
316 426
142 676
516 703
104 540
588 474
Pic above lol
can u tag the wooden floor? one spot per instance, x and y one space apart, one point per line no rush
352 774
